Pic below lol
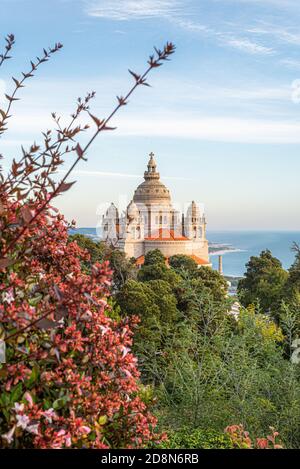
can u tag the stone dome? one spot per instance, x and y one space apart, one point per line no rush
152 190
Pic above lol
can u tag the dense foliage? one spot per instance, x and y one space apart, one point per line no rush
263 283
71 380
274 291
206 369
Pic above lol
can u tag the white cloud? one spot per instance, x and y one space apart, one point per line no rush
292 63
251 47
224 38
174 11
2 91
281 34
220 129
123 10
193 26
118 175
217 129
278 3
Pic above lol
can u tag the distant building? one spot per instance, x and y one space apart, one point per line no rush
150 222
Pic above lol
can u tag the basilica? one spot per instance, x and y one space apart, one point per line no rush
151 222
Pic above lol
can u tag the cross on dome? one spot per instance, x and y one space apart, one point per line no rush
151 164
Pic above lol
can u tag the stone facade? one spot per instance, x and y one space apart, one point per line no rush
150 222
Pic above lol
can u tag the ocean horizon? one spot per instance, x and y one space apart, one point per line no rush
238 246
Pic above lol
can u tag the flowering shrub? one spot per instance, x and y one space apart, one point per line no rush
241 439
69 379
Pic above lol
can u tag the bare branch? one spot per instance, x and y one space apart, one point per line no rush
169 49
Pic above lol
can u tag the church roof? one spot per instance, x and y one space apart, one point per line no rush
199 260
141 260
152 190
165 234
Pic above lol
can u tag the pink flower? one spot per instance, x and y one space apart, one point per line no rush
18 407
33 429
125 350
22 421
29 399
49 414
104 329
84 429
9 435
8 297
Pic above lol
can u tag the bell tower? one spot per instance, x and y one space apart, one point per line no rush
194 223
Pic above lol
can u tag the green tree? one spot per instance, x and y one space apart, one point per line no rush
156 306
213 281
123 268
155 268
181 262
235 371
96 250
154 257
264 283
293 283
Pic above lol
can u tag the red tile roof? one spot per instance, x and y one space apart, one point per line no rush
164 234
199 260
141 259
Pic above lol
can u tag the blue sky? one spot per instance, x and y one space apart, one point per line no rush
223 117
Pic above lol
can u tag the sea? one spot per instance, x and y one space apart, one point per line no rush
241 245
238 246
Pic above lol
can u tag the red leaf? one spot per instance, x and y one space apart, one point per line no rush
143 82
121 100
18 84
79 150
60 313
97 121
10 98
27 214
15 168
58 293
108 128
65 186
135 75
45 324
5 262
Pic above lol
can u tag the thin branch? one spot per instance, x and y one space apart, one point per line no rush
10 40
101 126
20 83
56 145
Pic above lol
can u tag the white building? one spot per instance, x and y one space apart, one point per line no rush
150 222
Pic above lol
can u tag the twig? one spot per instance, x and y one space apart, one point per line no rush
101 126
